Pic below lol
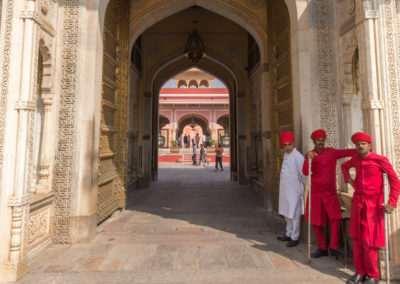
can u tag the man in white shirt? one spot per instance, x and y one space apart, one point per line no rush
291 189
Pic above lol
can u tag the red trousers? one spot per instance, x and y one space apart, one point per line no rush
335 230
365 257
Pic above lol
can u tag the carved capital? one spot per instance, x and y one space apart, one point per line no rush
19 200
41 21
25 105
347 99
372 105
366 15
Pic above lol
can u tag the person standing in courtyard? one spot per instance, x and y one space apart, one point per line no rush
203 154
185 140
180 142
367 227
197 137
194 156
325 204
291 189
218 157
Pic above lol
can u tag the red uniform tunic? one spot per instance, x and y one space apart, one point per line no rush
324 199
368 193
367 227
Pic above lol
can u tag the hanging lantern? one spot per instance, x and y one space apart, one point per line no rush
194 49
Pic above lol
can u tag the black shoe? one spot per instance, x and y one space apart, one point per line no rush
318 253
284 238
356 279
371 280
336 252
292 243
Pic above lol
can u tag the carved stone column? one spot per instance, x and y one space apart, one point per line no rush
371 98
44 172
388 41
266 130
24 85
379 40
241 134
146 141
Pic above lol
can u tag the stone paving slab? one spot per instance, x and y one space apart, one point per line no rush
192 226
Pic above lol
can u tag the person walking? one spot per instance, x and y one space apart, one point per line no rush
367 208
291 189
193 143
203 154
185 140
194 156
218 157
180 142
325 204
197 138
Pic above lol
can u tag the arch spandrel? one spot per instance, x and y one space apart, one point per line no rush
240 13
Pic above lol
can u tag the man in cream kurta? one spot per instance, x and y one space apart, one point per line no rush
291 189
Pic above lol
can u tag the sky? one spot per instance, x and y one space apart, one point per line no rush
214 84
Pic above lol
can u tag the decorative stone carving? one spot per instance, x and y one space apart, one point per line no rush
372 104
44 7
5 72
326 69
137 4
38 226
351 6
66 134
256 4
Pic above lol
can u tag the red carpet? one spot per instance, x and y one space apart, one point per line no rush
168 158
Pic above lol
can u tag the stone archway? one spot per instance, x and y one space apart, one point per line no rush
217 69
162 121
194 119
224 121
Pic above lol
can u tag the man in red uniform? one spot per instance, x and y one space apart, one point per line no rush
324 200
367 227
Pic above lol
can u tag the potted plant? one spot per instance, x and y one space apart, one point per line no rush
174 147
211 148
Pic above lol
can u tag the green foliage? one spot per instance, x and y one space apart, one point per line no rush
212 142
174 143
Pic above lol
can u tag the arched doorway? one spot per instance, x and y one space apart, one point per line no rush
192 120
164 59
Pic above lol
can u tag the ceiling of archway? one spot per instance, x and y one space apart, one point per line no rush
223 39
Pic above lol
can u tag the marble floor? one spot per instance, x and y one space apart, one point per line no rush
192 226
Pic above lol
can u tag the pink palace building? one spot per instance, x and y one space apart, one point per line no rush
193 107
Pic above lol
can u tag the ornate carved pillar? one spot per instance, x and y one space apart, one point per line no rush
379 39
372 103
388 30
44 171
18 200
347 99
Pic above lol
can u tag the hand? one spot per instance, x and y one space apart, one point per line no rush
388 208
310 154
351 181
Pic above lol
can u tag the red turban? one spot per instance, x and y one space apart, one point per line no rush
359 136
320 133
287 137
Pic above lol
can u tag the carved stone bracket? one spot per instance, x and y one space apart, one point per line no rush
25 105
19 200
372 104
40 20
366 15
